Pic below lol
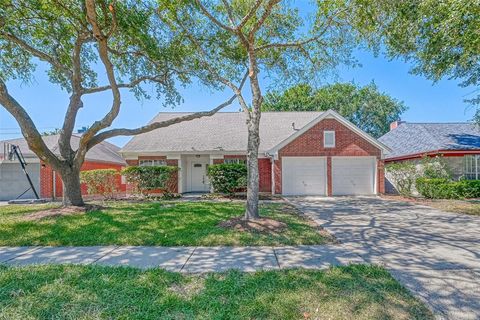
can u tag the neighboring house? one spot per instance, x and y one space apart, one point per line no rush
47 182
301 153
458 143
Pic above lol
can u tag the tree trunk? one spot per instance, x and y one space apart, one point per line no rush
251 212
71 181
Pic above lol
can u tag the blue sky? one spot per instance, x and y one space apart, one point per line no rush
427 102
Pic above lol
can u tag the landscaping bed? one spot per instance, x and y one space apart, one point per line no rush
95 292
149 223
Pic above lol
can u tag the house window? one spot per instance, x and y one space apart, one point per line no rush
235 160
151 163
329 139
472 167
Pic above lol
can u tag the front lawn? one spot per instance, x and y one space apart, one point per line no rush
467 206
94 292
459 206
153 223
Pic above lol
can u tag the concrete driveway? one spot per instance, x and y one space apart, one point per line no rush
435 254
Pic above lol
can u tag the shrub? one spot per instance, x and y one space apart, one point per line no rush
145 179
436 188
101 181
403 176
469 188
228 177
445 189
435 168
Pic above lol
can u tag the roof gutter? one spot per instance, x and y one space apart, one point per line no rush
433 153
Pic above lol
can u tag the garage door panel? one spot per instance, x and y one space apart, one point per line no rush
304 176
13 181
353 176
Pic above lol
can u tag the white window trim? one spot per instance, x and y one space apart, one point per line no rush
471 167
325 145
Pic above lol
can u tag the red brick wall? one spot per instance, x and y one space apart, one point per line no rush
310 143
381 176
46 178
265 174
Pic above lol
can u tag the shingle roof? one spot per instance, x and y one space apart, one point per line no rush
102 152
224 131
414 138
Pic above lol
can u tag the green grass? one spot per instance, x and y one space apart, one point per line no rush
153 223
94 292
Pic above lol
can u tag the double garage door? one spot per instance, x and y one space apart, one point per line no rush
308 175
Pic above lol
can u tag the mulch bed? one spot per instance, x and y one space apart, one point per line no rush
62 211
263 225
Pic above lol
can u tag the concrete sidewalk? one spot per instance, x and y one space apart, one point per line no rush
185 259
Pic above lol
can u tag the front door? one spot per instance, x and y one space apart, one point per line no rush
199 181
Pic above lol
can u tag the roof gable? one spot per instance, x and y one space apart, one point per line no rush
326 115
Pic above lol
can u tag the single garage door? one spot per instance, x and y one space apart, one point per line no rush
353 176
13 181
304 176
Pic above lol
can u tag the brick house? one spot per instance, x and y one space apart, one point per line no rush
47 182
457 143
301 153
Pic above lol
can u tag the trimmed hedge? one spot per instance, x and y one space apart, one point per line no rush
100 181
446 189
145 179
228 177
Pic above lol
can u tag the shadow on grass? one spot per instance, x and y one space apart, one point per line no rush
154 223
353 292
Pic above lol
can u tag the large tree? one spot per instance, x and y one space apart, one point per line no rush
367 107
440 38
256 37
85 43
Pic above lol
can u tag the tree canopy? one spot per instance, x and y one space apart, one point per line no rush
252 38
440 38
367 107
91 47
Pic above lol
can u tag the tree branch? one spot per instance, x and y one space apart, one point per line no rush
204 60
125 85
247 17
37 53
75 101
266 14
107 120
157 125
212 18
29 131
296 44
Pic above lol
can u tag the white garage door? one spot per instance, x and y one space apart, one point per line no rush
304 175
353 176
13 181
